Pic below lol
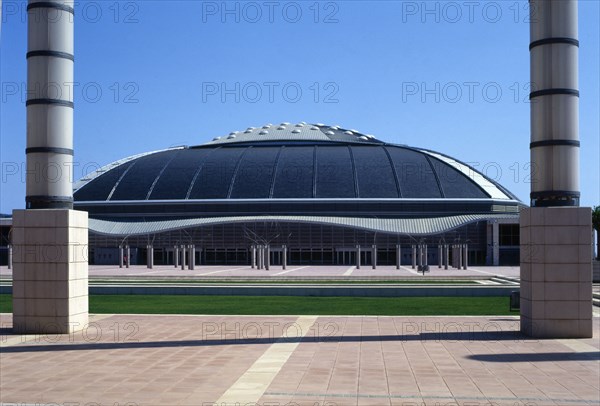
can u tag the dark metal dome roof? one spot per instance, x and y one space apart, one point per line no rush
285 161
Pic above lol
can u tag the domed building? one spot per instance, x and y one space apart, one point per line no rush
321 191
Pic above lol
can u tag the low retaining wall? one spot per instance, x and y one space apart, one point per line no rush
286 290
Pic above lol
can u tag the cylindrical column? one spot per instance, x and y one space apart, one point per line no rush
253 257
258 257
465 255
127 256
357 256
183 257
554 53
374 256
149 256
425 261
439 255
398 256
192 261
268 257
176 256
49 105
446 256
459 252
284 259
453 255
414 256
121 254
10 256
420 255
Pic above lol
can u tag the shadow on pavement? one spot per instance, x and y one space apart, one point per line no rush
213 340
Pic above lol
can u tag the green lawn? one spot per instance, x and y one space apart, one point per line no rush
292 305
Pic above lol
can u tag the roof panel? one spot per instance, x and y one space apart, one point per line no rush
454 183
335 174
294 177
254 174
374 172
99 188
216 174
136 183
415 175
177 178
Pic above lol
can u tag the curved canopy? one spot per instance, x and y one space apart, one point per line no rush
411 226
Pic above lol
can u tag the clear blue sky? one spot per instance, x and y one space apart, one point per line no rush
449 76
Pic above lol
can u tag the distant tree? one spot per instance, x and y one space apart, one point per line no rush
596 226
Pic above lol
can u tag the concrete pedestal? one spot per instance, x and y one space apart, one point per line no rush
50 276
556 272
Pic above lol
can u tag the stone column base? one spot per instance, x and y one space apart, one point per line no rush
556 272
50 271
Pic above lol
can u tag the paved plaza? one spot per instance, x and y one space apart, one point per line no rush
293 271
298 360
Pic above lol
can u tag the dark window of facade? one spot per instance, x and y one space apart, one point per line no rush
509 234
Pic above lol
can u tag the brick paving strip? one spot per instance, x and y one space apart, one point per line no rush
251 386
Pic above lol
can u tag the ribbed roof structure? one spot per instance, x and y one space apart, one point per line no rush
288 161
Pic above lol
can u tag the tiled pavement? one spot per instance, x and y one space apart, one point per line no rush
295 271
316 361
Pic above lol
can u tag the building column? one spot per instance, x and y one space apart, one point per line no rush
398 256
10 256
425 260
257 256
176 256
440 256
121 254
446 256
414 256
465 256
127 256
50 293
460 258
253 257
150 256
374 256
357 256
495 243
183 257
268 257
192 261
284 258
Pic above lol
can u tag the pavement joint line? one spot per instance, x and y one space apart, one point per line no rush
145 273
221 271
251 386
438 397
349 271
290 270
480 271
409 270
